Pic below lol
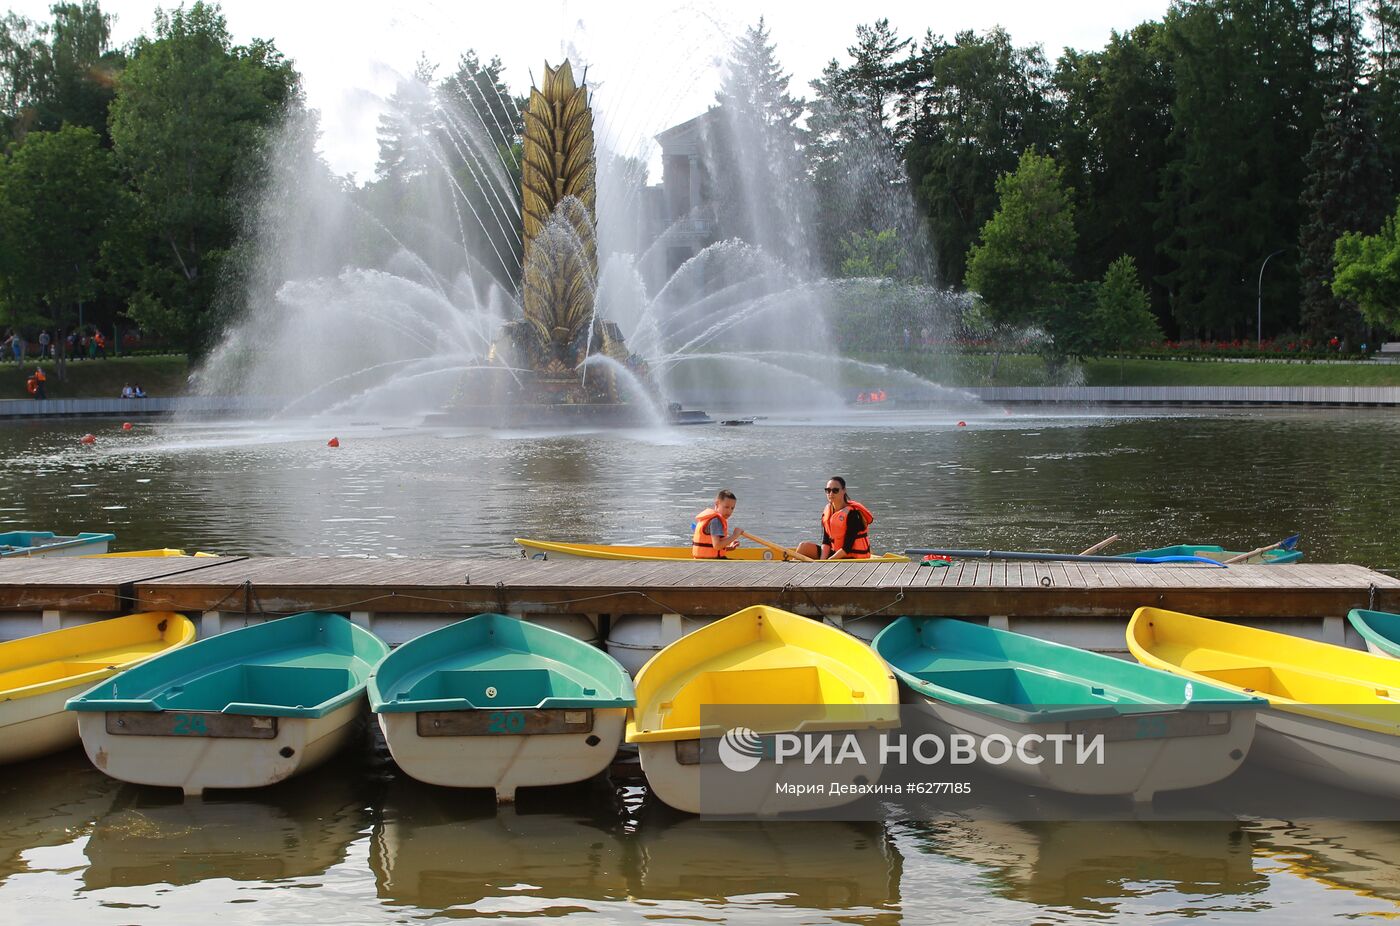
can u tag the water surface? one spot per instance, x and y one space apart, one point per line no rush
355 842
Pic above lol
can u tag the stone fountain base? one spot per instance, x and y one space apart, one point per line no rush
591 415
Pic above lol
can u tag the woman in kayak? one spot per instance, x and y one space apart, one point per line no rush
845 526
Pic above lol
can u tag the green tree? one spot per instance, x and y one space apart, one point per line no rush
58 192
484 128
191 120
860 182
759 175
1244 111
57 73
968 110
1113 140
1020 268
1383 75
1122 317
872 254
1347 187
1367 271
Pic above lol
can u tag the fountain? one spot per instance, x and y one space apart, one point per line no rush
496 274
553 353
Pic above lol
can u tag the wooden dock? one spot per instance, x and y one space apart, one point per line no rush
404 597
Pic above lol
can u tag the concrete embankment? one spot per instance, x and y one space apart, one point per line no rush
1188 396
130 408
1181 396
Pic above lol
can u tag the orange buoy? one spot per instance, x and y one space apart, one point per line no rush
333 442
88 439
962 424
126 425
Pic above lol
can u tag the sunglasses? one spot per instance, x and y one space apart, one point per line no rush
832 491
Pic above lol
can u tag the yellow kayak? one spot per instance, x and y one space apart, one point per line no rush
39 674
680 554
163 553
758 673
1335 711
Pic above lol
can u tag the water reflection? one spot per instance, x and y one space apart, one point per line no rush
296 829
49 802
1093 866
1356 856
581 848
439 848
849 867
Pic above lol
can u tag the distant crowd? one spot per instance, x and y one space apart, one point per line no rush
86 343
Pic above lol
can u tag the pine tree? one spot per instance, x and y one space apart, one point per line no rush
1346 187
861 186
969 109
1244 112
757 151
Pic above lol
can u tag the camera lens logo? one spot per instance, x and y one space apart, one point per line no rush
740 749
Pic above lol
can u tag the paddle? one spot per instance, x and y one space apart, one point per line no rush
1286 543
1063 557
787 553
1098 546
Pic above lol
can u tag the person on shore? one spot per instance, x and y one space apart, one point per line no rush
845 526
36 384
710 536
44 344
128 392
137 392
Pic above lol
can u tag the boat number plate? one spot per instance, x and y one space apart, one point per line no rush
503 723
1170 724
191 723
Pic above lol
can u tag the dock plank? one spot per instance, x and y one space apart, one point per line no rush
284 585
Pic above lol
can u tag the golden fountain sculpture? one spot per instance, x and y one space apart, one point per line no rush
560 330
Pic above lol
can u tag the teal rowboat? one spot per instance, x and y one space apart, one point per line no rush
1380 630
243 709
1279 557
1159 733
47 543
496 702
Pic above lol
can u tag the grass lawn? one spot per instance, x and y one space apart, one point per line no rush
166 374
1029 370
161 375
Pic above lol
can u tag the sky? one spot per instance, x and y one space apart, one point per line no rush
652 64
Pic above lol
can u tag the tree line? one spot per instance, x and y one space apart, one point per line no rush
1102 196
120 179
1185 153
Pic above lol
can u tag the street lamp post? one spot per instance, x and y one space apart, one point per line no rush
1259 319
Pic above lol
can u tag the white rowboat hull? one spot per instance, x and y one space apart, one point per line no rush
755 792
39 725
1139 768
1339 755
504 762
196 763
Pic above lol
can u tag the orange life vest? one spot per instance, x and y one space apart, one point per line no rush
834 523
701 543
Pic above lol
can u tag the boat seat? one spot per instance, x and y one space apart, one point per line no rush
519 687
280 685
1021 686
777 686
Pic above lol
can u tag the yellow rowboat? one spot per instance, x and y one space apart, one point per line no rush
682 554
713 702
39 674
1335 712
